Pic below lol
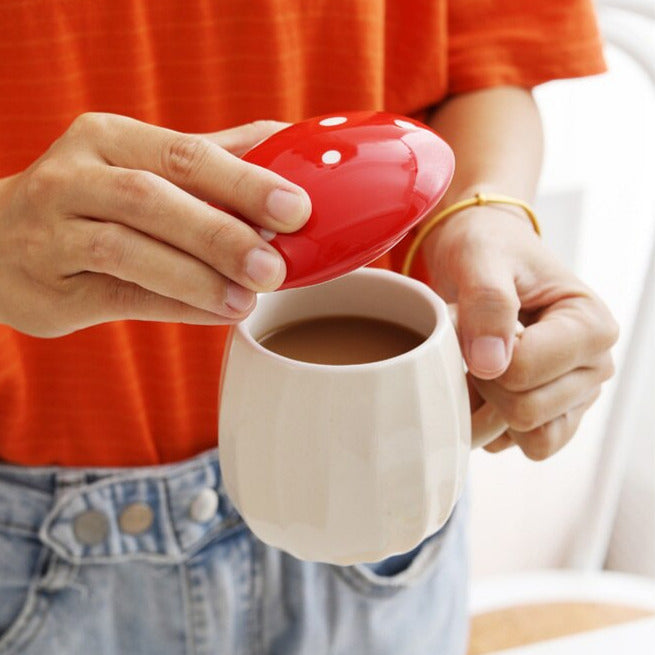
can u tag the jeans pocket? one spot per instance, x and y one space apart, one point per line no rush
416 605
391 576
447 547
22 559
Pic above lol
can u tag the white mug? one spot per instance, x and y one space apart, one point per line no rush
347 463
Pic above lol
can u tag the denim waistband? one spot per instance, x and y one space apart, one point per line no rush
157 513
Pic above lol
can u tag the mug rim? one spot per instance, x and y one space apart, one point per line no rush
421 289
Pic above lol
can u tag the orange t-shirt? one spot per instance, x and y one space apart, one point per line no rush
132 393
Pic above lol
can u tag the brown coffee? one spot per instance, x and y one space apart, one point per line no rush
341 340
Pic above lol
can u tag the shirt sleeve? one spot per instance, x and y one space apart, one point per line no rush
521 42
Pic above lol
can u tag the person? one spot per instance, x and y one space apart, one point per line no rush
121 128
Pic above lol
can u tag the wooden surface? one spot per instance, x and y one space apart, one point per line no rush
528 624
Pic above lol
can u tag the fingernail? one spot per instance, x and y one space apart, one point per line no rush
263 267
267 235
287 207
488 355
239 298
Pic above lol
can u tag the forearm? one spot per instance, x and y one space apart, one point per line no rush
497 139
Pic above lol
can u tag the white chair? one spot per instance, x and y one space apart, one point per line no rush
618 530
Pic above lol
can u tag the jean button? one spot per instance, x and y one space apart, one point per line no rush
136 518
204 506
91 527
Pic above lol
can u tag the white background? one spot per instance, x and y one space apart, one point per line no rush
597 210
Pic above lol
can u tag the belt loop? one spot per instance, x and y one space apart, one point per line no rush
68 480
57 572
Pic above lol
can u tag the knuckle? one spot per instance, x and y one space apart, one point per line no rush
136 190
106 248
519 376
492 298
44 181
38 249
216 234
540 444
183 156
612 331
264 126
602 328
242 183
607 368
120 295
90 124
524 414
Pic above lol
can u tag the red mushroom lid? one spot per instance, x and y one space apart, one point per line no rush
371 177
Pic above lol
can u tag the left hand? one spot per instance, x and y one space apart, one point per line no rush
489 261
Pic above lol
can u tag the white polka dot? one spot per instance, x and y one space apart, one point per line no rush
334 120
405 124
331 157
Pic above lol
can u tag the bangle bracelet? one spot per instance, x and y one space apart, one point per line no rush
479 199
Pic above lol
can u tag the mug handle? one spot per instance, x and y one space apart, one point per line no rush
486 423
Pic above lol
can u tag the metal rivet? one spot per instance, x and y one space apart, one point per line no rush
204 505
91 527
136 518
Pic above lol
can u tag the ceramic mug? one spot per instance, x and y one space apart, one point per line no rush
348 463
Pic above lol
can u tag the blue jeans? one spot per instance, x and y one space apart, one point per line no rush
156 560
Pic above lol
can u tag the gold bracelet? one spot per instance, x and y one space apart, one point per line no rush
479 199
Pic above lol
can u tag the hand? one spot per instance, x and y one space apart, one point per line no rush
113 222
491 263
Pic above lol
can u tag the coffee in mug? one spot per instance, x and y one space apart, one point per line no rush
341 340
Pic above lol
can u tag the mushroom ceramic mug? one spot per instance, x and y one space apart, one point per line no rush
349 463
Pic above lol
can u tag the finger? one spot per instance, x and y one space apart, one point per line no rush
101 298
548 439
527 410
201 167
154 206
238 140
502 443
570 334
131 256
488 312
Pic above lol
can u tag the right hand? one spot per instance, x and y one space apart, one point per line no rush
490 261
113 222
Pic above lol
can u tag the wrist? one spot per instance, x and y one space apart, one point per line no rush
433 227
458 194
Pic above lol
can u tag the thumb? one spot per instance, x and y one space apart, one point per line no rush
488 312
